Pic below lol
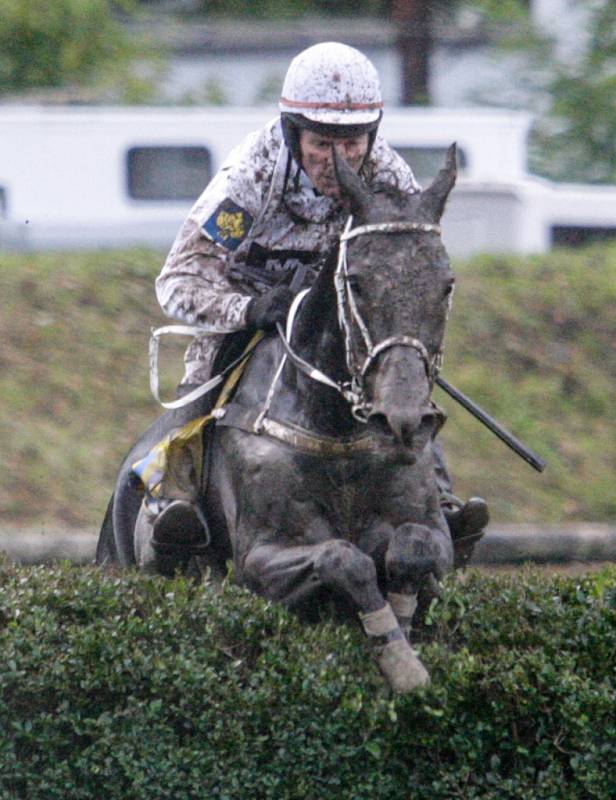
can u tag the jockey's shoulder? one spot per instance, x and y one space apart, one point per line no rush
258 150
387 167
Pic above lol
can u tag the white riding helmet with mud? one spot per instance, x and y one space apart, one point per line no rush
333 90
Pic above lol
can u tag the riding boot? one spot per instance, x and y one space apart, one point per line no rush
180 527
166 539
466 521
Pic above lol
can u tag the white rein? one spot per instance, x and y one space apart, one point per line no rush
353 391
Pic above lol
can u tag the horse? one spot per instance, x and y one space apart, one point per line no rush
321 479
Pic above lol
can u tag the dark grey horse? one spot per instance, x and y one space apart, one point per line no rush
321 481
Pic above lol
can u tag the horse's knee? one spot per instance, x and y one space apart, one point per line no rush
414 553
340 562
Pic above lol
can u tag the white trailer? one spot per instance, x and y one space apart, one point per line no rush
76 177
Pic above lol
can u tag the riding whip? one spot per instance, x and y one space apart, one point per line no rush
503 434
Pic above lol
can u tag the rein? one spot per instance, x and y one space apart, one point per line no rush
354 391
195 394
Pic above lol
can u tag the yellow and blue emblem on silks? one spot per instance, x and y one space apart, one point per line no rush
228 225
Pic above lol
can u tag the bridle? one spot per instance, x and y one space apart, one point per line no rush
354 390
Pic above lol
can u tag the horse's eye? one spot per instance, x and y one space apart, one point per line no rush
354 285
449 289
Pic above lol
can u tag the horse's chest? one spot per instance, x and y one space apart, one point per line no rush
342 490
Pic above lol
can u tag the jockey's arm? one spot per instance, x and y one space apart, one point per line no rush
193 286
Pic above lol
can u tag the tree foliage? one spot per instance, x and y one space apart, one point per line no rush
59 43
577 137
569 89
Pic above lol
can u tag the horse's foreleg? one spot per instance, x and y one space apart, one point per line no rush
417 558
291 574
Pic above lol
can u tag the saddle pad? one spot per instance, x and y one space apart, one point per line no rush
174 467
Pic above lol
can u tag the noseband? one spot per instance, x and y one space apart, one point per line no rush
354 391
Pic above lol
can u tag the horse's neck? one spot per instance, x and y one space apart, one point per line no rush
317 407
317 339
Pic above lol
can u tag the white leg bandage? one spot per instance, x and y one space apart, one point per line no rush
403 605
381 622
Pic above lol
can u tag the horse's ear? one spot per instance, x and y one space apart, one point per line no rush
352 186
433 199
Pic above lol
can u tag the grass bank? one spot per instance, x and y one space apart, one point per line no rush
531 339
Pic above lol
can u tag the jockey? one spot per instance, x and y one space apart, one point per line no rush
273 210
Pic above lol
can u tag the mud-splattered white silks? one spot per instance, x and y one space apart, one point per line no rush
251 220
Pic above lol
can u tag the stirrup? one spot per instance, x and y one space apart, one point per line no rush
182 527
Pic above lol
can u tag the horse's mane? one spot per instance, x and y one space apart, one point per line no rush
319 304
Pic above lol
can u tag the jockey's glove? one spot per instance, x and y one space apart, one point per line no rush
264 312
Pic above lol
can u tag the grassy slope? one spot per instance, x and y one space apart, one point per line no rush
531 339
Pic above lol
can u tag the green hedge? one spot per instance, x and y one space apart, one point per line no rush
122 686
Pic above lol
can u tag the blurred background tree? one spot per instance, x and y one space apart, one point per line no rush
574 99
89 42
67 43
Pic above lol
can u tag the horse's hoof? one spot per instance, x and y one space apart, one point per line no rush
401 666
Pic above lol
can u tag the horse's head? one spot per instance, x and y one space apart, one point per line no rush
395 287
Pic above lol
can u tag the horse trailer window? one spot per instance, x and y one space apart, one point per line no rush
578 235
168 173
426 161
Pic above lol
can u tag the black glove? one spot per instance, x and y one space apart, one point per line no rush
264 312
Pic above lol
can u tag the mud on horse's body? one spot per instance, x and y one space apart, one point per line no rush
350 468
337 496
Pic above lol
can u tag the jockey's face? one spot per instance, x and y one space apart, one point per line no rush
318 162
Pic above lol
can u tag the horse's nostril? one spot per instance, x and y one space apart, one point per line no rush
427 423
411 430
379 424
